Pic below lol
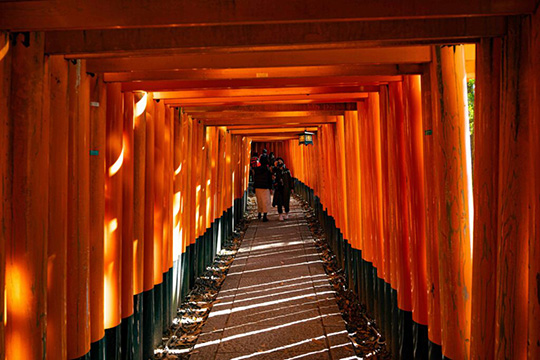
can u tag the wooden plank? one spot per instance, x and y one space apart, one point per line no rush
194 94
261 114
252 37
51 14
264 72
273 107
166 85
356 56
266 121
294 130
257 99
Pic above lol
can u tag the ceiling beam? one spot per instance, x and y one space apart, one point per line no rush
102 14
274 107
261 114
314 127
292 130
164 85
386 55
302 121
252 37
264 100
265 72
301 90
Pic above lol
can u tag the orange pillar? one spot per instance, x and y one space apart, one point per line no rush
58 210
534 245
414 158
26 251
430 203
514 201
159 169
139 165
5 172
486 177
127 225
148 248
98 116
113 209
450 128
78 246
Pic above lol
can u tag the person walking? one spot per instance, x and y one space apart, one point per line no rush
283 186
262 179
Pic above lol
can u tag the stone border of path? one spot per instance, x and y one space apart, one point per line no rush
362 330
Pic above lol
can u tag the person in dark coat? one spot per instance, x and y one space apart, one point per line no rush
262 179
283 185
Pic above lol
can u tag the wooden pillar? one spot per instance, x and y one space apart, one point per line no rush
158 190
450 128
113 207
58 210
139 162
127 206
98 117
78 247
414 158
514 199
148 247
399 190
26 250
534 245
431 202
127 337
486 178
5 173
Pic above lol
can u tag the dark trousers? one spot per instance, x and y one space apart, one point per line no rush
280 208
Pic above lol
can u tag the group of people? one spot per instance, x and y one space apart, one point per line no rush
270 173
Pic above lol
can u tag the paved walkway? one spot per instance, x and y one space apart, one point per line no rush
276 302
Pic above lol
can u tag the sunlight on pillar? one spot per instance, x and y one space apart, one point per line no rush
4 50
18 294
110 295
176 203
5 307
117 164
178 169
140 106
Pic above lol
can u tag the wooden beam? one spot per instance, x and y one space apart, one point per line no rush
314 127
264 72
293 130
275 107
101 14
273 137
274 122
358 56
261 114
250 37
167 85
195 94
265 99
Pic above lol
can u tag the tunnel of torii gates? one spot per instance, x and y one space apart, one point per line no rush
126 133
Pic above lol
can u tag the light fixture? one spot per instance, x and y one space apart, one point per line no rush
305 138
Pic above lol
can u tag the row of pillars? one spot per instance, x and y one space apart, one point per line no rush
103 193
394 178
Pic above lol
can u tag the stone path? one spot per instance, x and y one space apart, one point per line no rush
276 302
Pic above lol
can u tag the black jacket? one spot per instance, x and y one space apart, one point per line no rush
283 186
262 178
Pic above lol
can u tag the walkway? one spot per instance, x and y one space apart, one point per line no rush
276 302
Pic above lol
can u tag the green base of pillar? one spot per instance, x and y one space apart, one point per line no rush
97 349
148 325
113 343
